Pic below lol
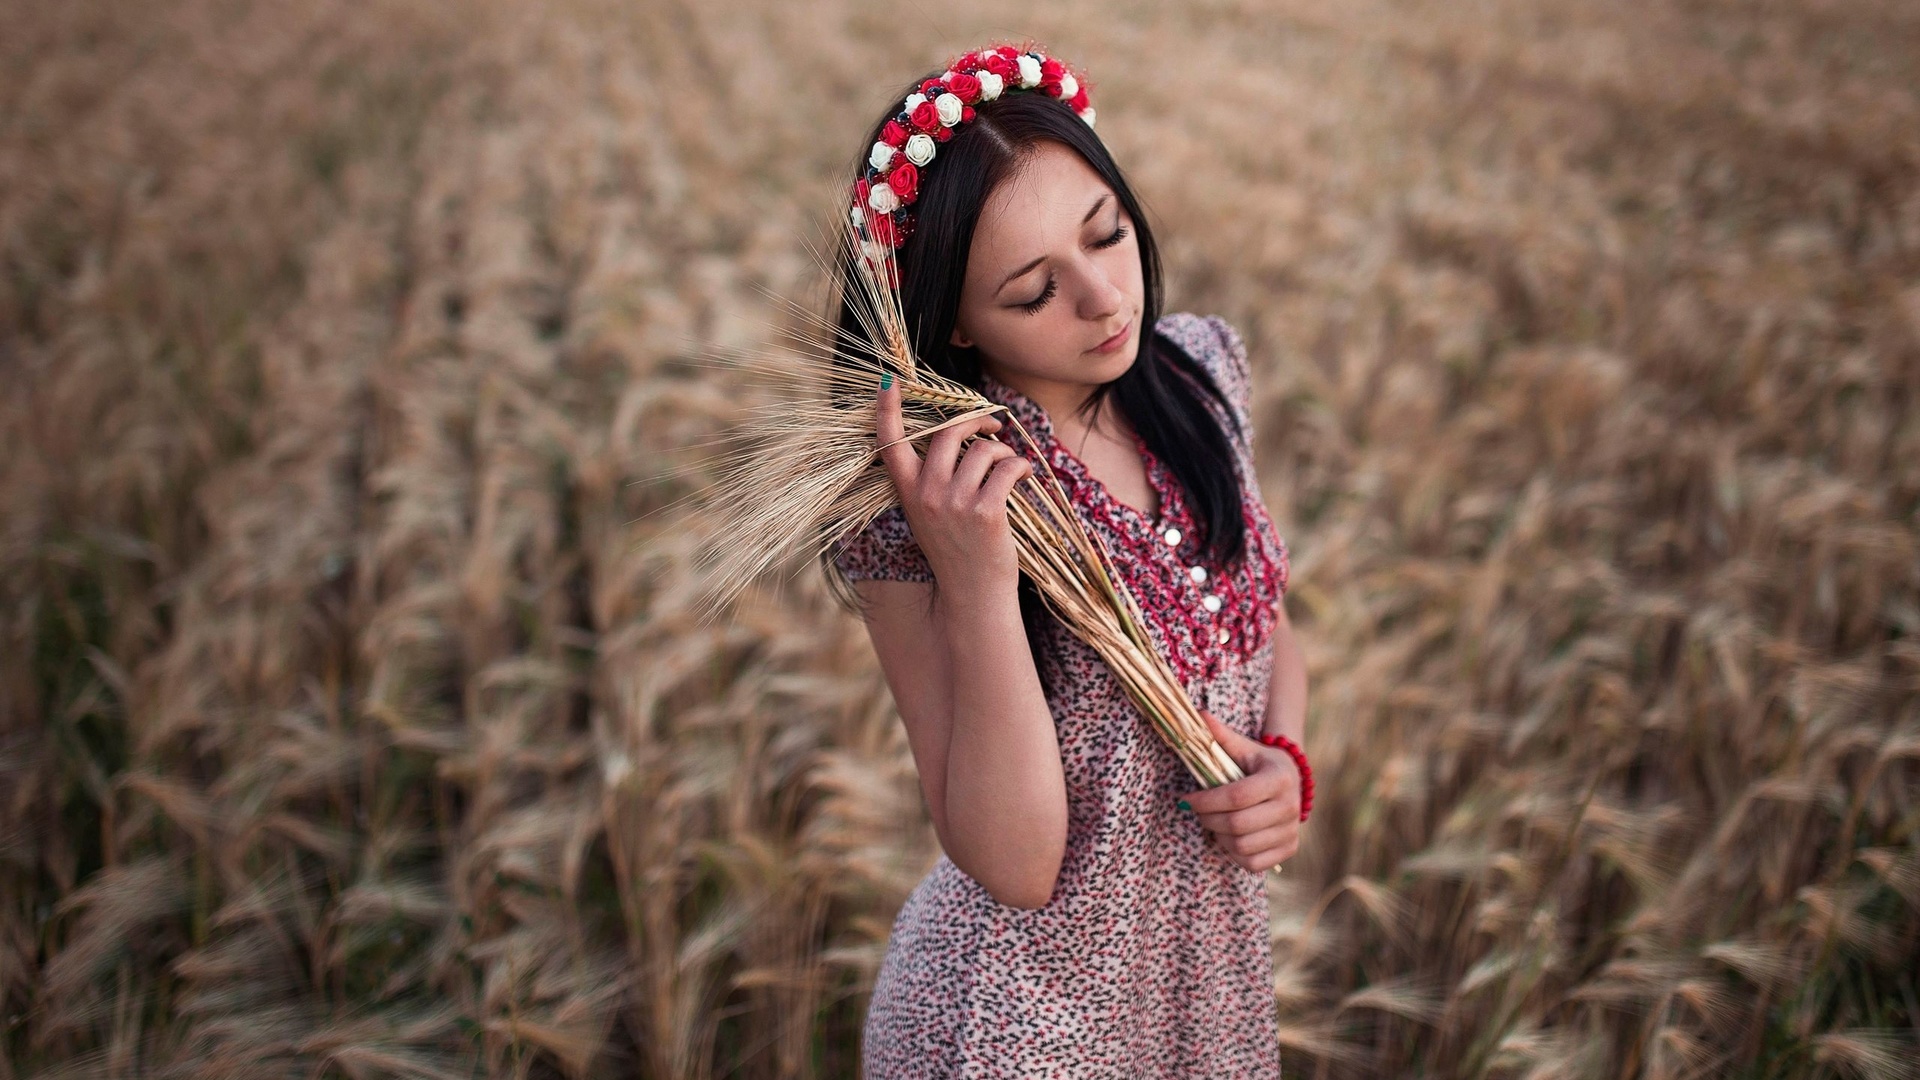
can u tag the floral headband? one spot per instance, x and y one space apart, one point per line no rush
891 181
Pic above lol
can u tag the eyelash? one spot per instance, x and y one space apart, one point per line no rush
1033 306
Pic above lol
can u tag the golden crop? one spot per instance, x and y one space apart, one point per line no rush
357 719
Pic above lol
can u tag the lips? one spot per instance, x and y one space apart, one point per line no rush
1115 341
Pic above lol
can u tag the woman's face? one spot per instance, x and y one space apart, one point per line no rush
1053 290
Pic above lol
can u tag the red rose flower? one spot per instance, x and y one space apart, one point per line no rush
965 87
905 181
1079 101
926 117
943 134
882 228
893 134
1008 51
1051 70
860 189
1004 67
929 86
966 113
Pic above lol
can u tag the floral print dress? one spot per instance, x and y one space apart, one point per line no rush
1153 957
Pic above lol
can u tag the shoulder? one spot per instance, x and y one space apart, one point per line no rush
1217 347
1211 335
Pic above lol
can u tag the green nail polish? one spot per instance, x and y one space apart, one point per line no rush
886 379
1185 805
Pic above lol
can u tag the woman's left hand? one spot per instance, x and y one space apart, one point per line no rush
1256 819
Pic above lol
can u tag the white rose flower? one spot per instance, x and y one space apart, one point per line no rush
919 148
914 101
1088 116
1029 70
1069 86
882 199
858 215
990 85
881 156
949 108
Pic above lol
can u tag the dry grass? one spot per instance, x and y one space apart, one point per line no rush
806 472
356 718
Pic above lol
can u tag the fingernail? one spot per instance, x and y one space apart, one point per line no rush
886 379
1185 805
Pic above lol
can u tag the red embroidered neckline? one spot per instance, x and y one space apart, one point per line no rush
1167 594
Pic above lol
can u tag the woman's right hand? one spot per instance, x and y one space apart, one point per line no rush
955 504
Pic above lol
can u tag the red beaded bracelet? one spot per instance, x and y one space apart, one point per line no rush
1299 757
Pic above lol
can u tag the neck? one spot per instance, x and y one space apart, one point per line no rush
1060 400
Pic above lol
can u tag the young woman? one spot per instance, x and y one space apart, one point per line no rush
1095 913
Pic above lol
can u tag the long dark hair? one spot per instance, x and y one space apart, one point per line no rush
1166 409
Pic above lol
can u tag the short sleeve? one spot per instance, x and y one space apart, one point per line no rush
1217 347
884 550
1231 368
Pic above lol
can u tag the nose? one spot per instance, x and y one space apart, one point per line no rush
1101 300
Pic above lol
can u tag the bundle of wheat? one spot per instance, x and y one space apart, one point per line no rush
814 477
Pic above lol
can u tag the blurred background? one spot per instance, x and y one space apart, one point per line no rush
356 719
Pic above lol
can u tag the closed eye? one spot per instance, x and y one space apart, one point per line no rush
1032 307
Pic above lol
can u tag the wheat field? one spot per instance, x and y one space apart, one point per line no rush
357 719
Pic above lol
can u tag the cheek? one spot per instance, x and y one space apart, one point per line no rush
1045 343
1011 336
1128 277
1049 337
1120 265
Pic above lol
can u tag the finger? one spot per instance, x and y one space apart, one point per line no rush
1261 862
1006 473
1242 750
1251 820
975 464
1251 790
1256 843
945 447
902 463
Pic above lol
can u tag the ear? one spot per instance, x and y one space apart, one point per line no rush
958 339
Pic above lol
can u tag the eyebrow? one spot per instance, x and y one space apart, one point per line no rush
1091 210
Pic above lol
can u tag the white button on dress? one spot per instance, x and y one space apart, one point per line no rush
1172 537
1224 635
1210 602
1198 574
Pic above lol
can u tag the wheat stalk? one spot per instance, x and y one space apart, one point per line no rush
814 476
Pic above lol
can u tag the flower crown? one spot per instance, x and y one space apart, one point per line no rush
890 183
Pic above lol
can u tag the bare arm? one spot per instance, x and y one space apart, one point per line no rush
958 663
1287 688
